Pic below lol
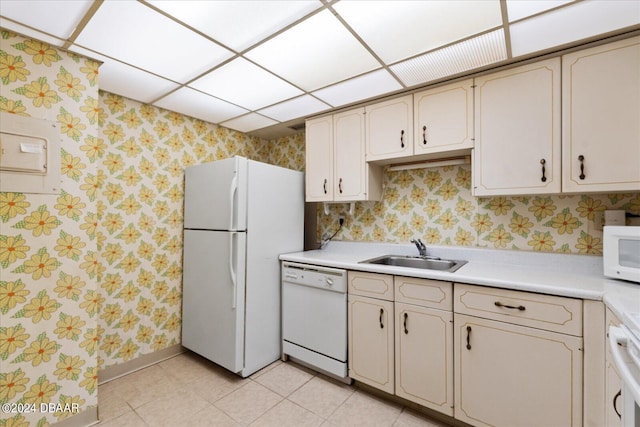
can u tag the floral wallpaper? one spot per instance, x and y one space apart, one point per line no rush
49 256
91 277
436 205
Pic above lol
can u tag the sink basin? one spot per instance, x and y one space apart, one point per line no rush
426 263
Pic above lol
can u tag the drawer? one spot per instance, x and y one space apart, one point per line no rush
371 285
551 313
424 292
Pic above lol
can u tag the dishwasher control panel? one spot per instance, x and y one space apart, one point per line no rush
318 277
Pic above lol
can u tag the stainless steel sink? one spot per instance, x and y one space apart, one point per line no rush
426 263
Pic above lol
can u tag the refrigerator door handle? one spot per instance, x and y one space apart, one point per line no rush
232 271
233 189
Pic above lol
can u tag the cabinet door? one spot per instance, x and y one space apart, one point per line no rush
424 360
517 147
508 375
601 118
319 160
350 176
389 127
371 346
443 118
613 383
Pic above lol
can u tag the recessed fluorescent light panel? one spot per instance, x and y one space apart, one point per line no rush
396 30
237 24
137 35
468 55
245 84
199 105
294 108
572 23
249 122
518 9
315 53
356 89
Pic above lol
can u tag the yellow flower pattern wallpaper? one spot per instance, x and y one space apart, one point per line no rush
436 205
91 278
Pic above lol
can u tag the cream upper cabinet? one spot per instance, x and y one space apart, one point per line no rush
517 146
389 127
319 160
443 118
601 118
336 170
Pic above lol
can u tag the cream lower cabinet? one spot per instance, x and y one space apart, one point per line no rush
508 374
424 338
371 329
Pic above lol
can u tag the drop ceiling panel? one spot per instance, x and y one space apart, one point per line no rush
249 122
572 23
359 88
237 24
315 53
518 9
468 55
199 105
57 18
125 80
135 34
30 32
396 30
245 84
294 108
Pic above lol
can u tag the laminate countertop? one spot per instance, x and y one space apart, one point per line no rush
577 276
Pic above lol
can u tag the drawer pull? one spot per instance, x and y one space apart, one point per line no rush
513 307
468 337
381 314
406 316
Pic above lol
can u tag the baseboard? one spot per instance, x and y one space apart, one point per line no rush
85 418
116 371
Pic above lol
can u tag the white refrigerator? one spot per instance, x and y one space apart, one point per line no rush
239 216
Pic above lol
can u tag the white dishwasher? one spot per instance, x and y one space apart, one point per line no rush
314 316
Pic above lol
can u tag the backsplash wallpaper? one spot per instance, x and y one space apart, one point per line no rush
436 205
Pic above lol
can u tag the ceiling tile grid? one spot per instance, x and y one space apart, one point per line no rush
261 65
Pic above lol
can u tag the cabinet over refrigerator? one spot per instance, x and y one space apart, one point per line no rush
240 215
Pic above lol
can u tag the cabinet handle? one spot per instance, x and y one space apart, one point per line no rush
402 138
581 160
615 403
381 313
340 185
513 307
406 316
544 178
468 337
324 186
424 135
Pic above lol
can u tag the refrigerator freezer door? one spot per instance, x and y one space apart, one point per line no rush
215 195
213 296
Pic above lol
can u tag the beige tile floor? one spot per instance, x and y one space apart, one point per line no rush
188 390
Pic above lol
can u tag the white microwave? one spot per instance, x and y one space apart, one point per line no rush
621 252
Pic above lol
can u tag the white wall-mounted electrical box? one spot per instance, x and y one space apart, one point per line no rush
29 155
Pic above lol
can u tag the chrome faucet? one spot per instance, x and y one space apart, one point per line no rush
422 249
